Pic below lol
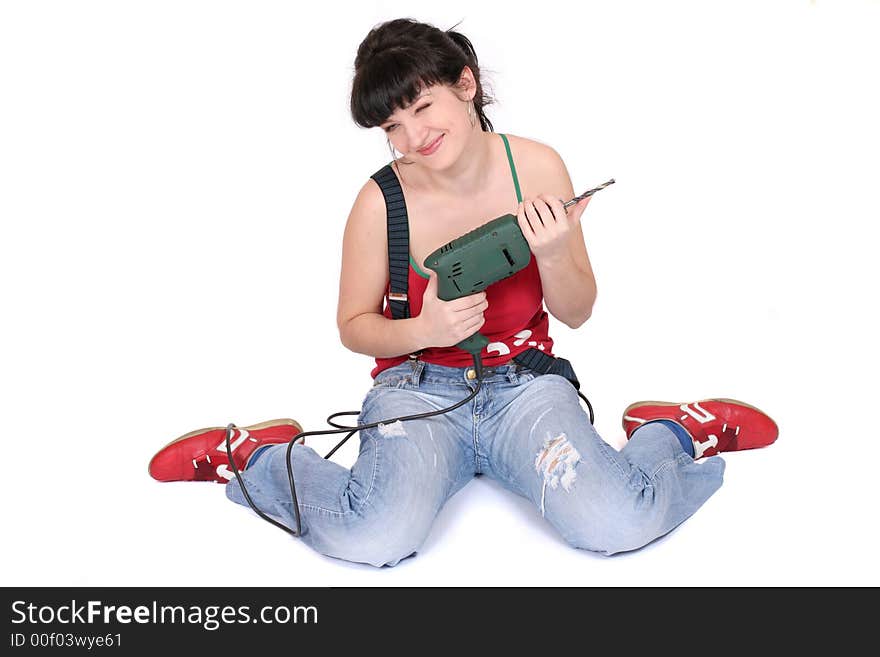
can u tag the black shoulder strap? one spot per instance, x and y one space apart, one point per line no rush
537 360
398 240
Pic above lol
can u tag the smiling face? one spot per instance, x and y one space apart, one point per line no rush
440 112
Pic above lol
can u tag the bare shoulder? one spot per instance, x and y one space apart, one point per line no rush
366 226
369 205
539 166
367 218
527 150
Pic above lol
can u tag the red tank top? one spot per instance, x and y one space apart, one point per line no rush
515 319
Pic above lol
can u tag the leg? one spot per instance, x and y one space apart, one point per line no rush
544 448
381 510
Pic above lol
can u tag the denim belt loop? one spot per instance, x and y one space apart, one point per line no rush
418 366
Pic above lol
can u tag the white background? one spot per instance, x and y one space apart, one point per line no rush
175 179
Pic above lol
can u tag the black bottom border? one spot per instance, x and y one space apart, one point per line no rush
130 620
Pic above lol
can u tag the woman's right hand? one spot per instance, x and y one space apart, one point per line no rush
446 323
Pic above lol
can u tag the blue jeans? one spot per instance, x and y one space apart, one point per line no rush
527 431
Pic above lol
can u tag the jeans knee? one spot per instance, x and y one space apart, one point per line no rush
375 537
609 528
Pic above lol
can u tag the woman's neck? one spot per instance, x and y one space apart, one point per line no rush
469 174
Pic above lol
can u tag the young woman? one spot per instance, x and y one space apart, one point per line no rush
525 427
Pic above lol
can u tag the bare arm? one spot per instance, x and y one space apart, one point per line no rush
567 280
362 283
375 335
569 292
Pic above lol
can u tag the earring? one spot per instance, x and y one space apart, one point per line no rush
393 150
472 114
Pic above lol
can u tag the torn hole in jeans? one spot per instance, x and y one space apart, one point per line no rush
556 462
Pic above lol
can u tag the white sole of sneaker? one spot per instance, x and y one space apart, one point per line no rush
663 403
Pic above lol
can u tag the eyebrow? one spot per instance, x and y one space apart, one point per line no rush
425 94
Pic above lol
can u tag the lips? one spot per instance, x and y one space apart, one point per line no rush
430 148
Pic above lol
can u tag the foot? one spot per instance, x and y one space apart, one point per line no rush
201 455
715 425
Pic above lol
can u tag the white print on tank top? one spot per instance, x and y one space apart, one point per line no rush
503 349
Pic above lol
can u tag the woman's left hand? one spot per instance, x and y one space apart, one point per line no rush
547 226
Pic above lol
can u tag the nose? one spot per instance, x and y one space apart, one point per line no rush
416 135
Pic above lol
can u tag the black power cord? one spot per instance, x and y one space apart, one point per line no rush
478 367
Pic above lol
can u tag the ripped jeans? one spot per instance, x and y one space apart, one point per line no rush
527 431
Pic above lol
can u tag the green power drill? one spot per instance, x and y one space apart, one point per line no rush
472 262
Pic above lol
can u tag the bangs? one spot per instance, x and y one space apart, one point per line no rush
392 80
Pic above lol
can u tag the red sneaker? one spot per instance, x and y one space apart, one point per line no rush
201 455
716 425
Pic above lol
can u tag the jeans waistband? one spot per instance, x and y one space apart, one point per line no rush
421 371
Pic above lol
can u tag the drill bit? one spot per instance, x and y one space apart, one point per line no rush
587 193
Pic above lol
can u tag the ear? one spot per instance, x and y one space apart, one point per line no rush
467 83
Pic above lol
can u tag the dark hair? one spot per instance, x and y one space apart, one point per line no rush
398 57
